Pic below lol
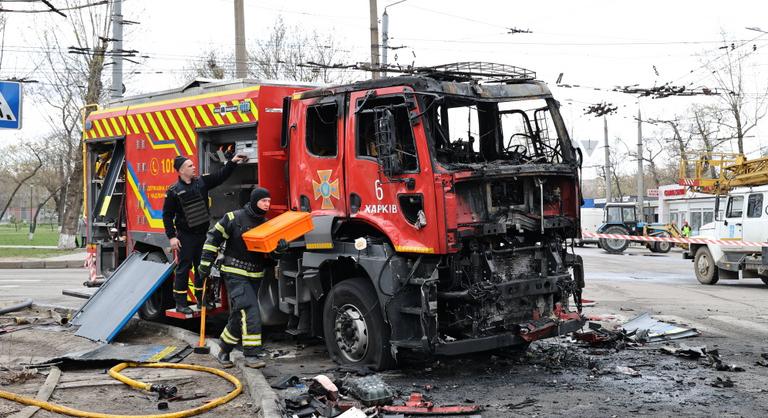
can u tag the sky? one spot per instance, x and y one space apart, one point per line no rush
595 44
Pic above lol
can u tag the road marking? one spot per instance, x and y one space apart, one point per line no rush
9 286
20 280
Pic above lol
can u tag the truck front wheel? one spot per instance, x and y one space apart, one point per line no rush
353 326
705 268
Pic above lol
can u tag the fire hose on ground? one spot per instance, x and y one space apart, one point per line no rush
115 373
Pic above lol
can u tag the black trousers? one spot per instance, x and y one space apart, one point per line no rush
189 256
244 316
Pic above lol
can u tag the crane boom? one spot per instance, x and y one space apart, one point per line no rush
720 172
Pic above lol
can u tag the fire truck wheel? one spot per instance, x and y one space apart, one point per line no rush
353 326
705 268
614 246
153 309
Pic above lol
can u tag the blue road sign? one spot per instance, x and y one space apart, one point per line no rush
10 105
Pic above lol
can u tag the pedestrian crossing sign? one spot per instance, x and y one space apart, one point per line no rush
10 105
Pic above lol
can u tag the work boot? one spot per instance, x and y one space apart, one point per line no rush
209 303
254 362
224 360
183 309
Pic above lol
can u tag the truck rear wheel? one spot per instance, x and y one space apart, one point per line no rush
153 309
353 326
705 268
614 246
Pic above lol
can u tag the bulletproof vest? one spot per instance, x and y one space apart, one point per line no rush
193 205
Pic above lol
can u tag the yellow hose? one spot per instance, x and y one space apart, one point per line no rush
115 372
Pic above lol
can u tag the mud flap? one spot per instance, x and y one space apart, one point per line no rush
106 312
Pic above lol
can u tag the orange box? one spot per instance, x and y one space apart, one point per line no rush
288 226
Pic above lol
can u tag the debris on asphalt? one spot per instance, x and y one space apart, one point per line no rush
285 382
764 361
647 329
370 390
418 404
722 382
521 405
322 386
626 371
711 357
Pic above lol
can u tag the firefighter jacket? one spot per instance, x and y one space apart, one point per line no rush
237 259
186 204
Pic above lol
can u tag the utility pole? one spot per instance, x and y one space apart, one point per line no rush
374 15
117 50
384 40
607 163
640 174
241 70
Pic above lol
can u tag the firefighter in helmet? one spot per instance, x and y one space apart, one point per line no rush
242 271
186 220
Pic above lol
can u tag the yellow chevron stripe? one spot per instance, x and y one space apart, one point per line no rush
255 110
190 133
193 116
216 116
161 120
115 126
204 115
155 129
179 132
132 122
123 124
107 128
142 123
97 125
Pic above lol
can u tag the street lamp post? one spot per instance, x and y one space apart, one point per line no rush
385 36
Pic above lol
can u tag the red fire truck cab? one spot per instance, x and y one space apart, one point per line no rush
443 202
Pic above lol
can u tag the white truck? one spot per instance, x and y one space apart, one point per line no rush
745 218
591 219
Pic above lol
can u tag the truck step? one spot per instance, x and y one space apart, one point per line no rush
411 310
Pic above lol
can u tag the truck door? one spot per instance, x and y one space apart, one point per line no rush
316 152
754 220
732 227
395 195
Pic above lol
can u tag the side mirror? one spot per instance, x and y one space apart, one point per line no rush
386 153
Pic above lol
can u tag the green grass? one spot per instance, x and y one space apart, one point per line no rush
43 236
32 253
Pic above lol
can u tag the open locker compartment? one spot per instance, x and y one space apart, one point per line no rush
106 189
217 147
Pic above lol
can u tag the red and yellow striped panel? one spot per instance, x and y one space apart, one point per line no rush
172 123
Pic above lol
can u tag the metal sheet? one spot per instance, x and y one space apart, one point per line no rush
117 300
143 353
657 330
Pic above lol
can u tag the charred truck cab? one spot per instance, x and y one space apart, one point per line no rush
443 202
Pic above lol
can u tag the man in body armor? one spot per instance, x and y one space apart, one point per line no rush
186 220
242 271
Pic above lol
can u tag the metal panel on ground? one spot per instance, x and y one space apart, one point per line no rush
117 300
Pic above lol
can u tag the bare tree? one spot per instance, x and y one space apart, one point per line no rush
20 164
72 87
212 65
290 53
745 110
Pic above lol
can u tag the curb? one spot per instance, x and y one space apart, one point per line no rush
262 395
42 264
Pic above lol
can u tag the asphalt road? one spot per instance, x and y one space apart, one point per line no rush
42 286
556 377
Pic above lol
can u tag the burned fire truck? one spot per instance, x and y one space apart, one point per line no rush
442 200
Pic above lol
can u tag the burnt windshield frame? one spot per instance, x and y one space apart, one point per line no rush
437 126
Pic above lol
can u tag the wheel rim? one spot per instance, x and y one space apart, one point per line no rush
703 266
614 244
664 246
351 333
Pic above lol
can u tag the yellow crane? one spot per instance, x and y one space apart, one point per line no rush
718 173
